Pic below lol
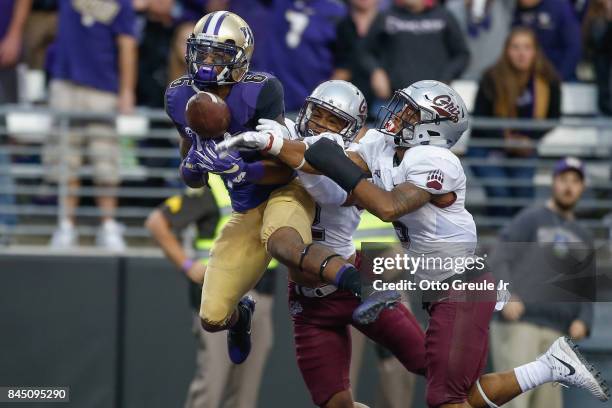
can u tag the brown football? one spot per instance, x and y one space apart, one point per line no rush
207 115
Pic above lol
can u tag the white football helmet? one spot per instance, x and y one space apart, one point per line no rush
343 99
427 112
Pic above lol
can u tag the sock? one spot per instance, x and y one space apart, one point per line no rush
533 374
348 278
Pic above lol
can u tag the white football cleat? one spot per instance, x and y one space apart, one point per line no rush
110 236
571 368
65 236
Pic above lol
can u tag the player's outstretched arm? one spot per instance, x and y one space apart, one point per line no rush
349 173
390 205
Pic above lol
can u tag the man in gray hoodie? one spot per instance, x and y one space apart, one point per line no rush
525 329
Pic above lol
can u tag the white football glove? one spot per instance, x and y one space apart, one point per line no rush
272 126
265 142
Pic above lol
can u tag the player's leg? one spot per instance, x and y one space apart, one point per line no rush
562 363
513 343
456 347
237 261
456 351
398 330
323 345
246 379
547 394
287 236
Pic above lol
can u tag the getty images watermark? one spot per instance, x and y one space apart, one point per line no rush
433 266
537 272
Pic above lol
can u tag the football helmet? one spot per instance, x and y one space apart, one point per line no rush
342 99
219 49
427 112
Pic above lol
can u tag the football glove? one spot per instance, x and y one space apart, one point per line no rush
266 142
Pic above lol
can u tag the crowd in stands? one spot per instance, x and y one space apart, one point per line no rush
108 56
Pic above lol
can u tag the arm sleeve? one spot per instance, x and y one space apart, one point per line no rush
457 49
433 174
193 206
270 102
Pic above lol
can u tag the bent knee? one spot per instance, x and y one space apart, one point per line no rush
211 327
215 316
285 243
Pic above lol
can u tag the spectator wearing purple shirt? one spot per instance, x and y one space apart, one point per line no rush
558 30
93 69
299 45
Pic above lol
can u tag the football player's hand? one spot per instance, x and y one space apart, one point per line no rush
513 310
191 170
230 164
273 127
578 330
263 141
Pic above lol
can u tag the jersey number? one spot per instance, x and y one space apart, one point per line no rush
180 82
318 233
297 24
402 232
257 78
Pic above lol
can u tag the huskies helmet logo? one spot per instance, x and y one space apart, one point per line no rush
435 179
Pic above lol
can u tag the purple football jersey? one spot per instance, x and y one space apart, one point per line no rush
298 47
245 104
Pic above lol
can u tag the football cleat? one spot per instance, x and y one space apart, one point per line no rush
239 336
371 306
571 368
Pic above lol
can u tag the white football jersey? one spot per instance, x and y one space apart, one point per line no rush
430 229
333 225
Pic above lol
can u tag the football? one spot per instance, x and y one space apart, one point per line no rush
207 115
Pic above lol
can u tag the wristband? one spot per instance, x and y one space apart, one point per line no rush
187 264
303 162
274 146
330 159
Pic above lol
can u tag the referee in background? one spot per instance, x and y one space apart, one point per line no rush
217 383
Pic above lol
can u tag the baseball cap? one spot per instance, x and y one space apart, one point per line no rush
569 163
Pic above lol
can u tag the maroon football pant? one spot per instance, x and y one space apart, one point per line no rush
457 341
323 343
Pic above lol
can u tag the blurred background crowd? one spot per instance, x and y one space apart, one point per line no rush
525 60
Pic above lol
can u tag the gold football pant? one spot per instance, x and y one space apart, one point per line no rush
239 258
